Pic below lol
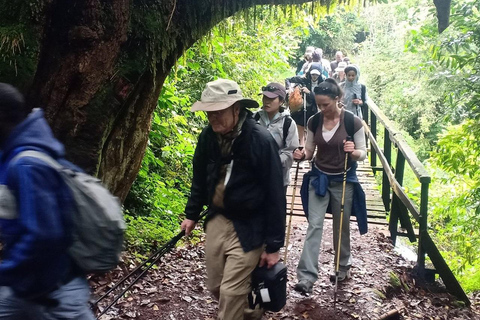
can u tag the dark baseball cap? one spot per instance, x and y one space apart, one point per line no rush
273 90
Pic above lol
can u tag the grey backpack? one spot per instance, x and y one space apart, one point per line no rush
98 224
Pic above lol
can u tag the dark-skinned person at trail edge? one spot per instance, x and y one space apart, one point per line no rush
237 173
38 278
355 93
322 187
281 126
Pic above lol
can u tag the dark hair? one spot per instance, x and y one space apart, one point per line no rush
13 109
350 68
329 88
282 106
317 54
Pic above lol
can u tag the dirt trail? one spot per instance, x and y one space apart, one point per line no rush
380 283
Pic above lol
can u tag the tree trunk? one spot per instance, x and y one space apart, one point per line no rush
443 14
101 67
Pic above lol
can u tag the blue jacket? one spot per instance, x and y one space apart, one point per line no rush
359 207
35 259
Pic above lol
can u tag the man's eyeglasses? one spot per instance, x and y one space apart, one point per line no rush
270 89
217 113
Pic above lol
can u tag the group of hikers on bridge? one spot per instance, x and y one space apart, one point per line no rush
241 171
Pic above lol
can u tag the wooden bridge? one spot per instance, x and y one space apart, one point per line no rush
387 201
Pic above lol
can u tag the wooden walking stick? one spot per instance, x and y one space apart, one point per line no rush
291 208
337 263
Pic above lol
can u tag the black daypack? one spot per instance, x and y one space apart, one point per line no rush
364 106
286 125
269 287
317 120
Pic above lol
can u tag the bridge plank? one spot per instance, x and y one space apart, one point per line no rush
375 209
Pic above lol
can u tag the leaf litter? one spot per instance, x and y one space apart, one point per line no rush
381 285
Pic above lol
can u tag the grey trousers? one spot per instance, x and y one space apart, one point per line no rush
317 206
72 297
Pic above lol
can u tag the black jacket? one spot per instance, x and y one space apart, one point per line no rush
306 81
254 196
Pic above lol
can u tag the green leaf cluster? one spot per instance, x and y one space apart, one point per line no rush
429 85
252 54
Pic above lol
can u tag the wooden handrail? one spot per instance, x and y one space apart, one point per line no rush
396 187
397 138
401 204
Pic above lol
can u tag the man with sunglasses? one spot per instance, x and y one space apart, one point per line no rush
237 173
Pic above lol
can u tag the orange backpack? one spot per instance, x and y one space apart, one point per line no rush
295 101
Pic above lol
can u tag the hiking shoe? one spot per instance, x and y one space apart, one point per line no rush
304 286
342 276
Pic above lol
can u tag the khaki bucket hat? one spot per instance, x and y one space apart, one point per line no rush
221 94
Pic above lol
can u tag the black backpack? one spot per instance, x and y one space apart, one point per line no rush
317 120
269 287
364 105
286 125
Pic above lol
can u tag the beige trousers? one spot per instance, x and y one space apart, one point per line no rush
229 270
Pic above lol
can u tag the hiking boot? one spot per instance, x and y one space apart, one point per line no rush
342 276
304 286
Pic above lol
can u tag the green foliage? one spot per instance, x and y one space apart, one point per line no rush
397 80
19 40
455 199
455 213
158 197
252 55
340 30
426 82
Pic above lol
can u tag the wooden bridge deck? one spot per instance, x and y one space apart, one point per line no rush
375 208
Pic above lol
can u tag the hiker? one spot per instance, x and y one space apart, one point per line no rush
322 186
236 172
338 58
38 279
317 56
281 126
339 74
355 94
307 58
313 78
327 71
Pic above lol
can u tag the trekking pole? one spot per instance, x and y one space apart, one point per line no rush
304 118
152 259
291 208
337 263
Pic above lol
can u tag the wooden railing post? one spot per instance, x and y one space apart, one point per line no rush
401 203
393 220
422 226
373 130
387 151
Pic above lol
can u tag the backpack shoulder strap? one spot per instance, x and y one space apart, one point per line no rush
39 155
317 120
287 122
349 123
364 93
256 117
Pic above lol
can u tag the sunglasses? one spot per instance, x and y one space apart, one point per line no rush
270 89
322 91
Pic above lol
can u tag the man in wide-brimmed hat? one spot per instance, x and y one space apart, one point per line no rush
238 174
